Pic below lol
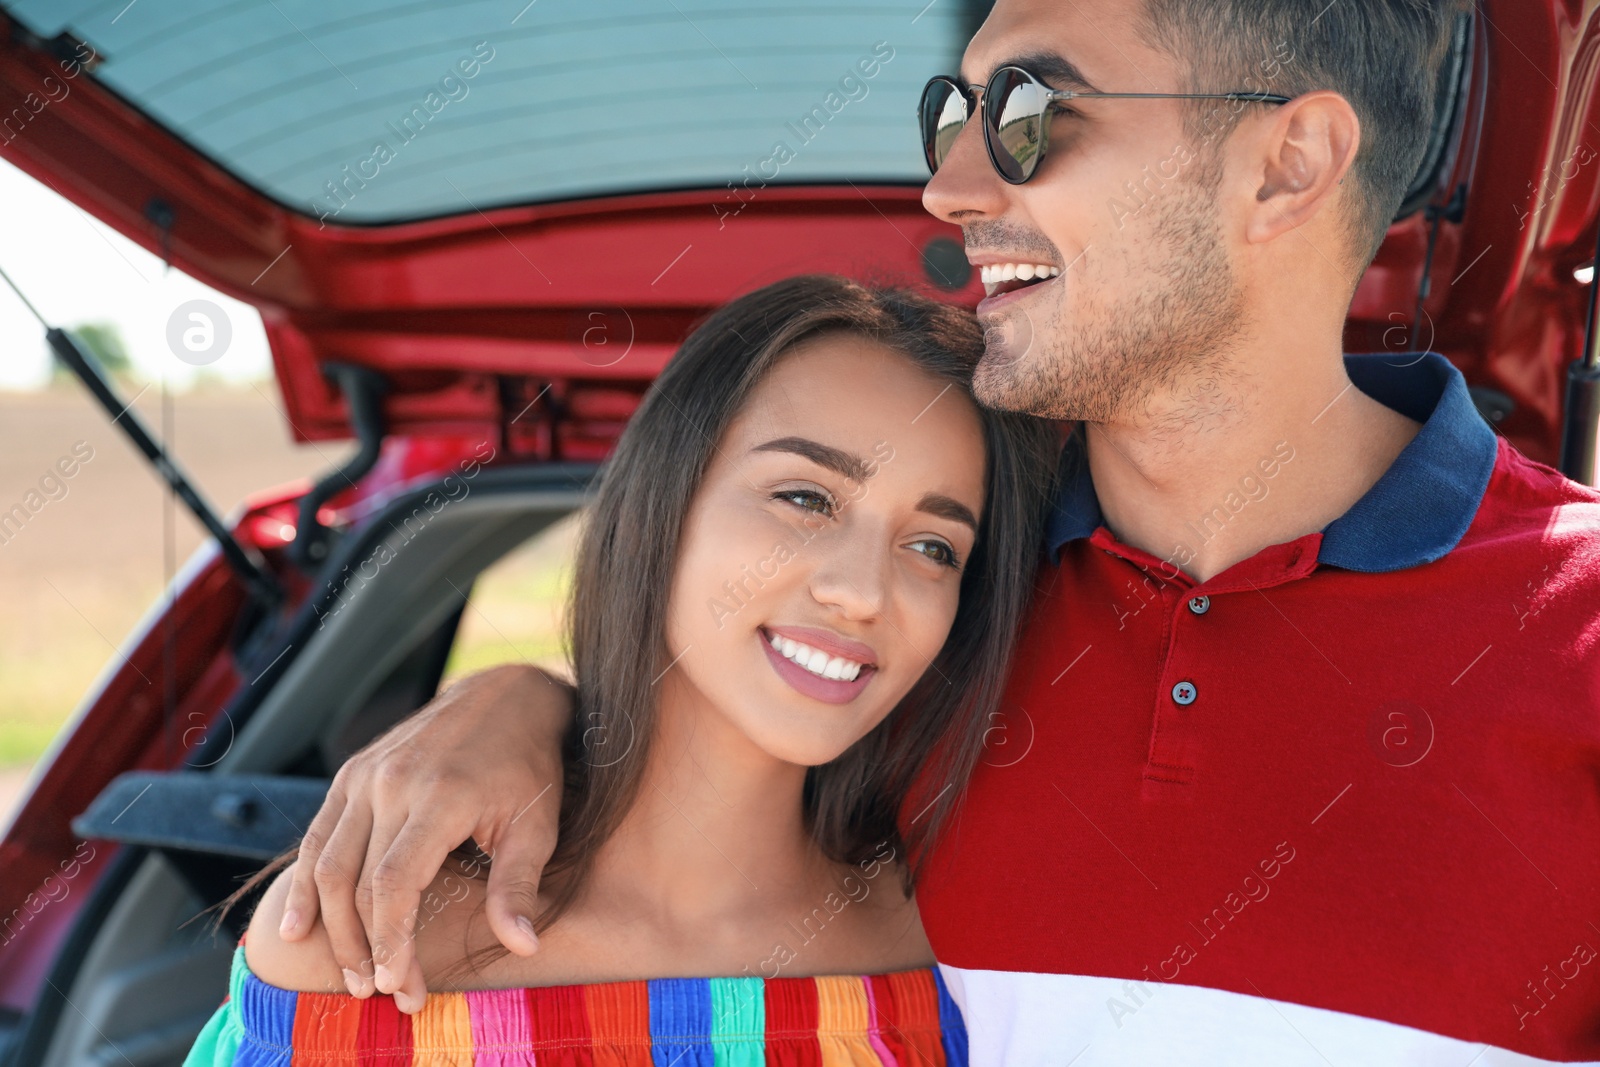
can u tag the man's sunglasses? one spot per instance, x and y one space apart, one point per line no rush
1015 105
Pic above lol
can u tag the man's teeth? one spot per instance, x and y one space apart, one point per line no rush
815 660
994 273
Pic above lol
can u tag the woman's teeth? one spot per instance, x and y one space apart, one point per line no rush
995 274
815 660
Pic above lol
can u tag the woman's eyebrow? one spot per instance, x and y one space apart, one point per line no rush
947 508
835 459
857 469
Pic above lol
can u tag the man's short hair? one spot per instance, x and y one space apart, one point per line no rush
1383 56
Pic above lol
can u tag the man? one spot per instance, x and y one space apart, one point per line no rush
1301 756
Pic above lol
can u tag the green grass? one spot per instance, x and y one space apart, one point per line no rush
517 609
22 743
50 655
46 668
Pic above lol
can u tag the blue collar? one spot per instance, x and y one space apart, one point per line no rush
1414 514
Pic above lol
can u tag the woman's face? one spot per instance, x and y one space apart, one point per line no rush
821 560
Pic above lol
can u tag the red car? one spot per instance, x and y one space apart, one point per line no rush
475 234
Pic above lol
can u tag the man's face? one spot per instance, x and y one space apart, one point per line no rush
1124 205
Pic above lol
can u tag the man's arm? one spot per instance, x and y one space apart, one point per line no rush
482 760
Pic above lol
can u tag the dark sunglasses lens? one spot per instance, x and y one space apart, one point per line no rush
1014 107
943 113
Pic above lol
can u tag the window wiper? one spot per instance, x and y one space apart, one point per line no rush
263 586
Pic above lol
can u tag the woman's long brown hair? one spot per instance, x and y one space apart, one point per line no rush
629 548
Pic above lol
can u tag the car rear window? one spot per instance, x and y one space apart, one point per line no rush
372 111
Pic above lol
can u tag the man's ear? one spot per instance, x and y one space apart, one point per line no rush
1305 151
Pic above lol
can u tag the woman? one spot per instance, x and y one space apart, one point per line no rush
790 624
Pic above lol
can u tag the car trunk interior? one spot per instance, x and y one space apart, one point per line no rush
368 652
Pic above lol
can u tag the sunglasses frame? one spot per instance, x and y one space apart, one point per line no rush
974 95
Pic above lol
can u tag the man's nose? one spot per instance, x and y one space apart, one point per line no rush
965 187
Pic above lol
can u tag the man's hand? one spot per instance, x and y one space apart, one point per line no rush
482 760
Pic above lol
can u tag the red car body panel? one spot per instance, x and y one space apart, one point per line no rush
485 327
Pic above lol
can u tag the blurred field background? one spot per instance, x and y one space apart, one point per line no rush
83 571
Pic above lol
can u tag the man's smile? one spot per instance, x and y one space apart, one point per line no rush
1008 277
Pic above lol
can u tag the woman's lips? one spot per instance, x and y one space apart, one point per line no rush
832 644
802 681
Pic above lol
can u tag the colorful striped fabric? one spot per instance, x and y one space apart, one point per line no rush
905 1019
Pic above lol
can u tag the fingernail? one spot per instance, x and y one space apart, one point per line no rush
291 919
407 1003
526 927
382 979
352 982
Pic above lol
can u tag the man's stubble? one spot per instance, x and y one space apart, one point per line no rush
1171 321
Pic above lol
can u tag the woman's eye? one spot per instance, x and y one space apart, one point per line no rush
939 552
809 499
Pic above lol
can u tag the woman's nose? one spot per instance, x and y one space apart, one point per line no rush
851 575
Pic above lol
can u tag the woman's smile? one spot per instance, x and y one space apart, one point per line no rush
817 664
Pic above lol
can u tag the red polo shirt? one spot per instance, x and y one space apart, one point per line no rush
1338 804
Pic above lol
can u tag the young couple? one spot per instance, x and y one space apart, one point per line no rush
1308 774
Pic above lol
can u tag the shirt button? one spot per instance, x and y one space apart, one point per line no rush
1184 693
1200 605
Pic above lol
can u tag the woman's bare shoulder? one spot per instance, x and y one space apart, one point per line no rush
307 965
444 936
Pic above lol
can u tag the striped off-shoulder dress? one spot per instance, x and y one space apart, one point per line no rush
896 1020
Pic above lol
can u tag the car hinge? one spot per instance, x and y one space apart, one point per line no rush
533 432
363 390
1580 425
160 214
1453 211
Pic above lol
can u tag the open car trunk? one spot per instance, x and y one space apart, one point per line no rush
149 966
